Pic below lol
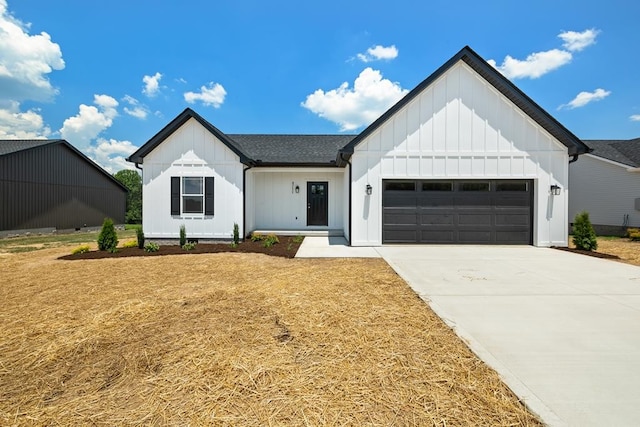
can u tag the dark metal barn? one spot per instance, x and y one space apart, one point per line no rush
49 184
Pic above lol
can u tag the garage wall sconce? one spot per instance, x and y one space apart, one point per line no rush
297 188
555 190
369 189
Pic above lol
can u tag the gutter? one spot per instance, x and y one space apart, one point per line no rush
350 189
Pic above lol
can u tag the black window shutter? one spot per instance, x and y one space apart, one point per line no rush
208 195
175 195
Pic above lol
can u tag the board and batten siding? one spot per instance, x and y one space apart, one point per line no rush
273 204
460 127
192 151
606 190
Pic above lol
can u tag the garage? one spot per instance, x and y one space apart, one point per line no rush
457 211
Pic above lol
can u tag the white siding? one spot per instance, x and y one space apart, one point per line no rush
604 189
460 127
191 151
274 204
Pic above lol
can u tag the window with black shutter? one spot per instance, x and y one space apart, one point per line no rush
192 195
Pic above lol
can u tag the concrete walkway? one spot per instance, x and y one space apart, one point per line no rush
563 330
332 247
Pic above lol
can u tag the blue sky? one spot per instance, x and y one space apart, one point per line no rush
107 76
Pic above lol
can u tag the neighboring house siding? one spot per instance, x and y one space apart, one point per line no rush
53 187
460 127
192 151
274 204
605 189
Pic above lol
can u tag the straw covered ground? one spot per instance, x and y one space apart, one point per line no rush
232 339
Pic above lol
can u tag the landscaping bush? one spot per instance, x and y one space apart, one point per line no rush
189 246
130 244
140 236
298 239
183 235
80 250
633 234
256 237
236 235
584 237
108 239
151 247
270 240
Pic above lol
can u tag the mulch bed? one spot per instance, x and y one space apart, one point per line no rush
287 248
589 253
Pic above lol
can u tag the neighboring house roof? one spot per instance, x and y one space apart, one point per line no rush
292 149
502 84
11 146
626 152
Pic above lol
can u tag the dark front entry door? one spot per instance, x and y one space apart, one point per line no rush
317 203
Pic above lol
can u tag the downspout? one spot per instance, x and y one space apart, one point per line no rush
244 201
350 185
574 158
138 166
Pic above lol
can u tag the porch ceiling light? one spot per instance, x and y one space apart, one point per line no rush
369 189
555 190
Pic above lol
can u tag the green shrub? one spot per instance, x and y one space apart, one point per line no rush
151 247
183 235
130 244
80 250
140 236
633 234
584 237
189 246
108 239
256 237
298 239
270 240
236 235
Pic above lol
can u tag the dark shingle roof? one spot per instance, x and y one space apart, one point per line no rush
8 146
502 84
626 152
292 149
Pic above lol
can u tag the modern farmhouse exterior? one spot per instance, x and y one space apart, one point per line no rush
465 157
606 183
49 185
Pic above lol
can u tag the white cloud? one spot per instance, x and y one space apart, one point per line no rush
584 98
151 85
212 96
137 110
352 108
536 65
576 42
15 124
635 118
111 154
80 129
26 60
378 52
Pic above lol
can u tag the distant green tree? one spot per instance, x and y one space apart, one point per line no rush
133 181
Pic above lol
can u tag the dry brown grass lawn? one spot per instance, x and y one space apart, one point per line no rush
627 250
232 339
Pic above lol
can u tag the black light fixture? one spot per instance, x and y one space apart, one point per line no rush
555 190
369 189
297 188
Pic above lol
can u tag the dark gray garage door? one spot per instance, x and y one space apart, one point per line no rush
473 211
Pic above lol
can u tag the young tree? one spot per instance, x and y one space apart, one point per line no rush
133 181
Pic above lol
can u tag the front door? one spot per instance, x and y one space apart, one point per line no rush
317 203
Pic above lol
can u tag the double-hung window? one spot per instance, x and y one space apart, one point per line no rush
192 195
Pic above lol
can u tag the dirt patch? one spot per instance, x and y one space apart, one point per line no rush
589 253
614 248
287 248
232 339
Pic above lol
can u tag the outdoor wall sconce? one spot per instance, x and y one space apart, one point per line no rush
555 190
369 189
297 188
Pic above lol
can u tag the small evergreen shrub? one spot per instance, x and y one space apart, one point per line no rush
130 244
140 237
633 234
584 237
189 246
270 240
151 247
108 239
183 235
236 235
80 250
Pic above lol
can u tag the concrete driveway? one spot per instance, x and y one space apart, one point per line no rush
562 329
